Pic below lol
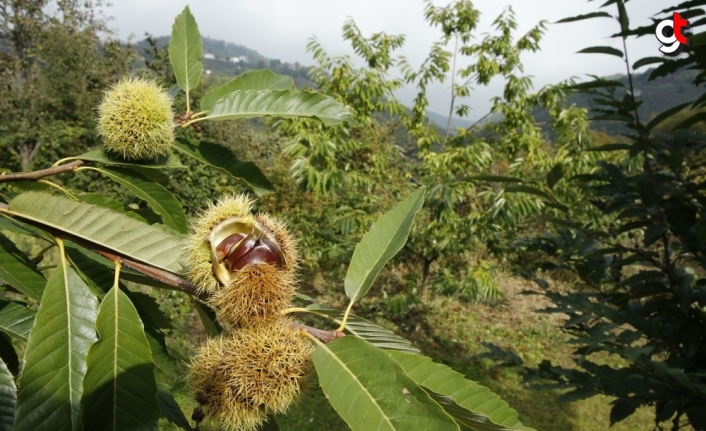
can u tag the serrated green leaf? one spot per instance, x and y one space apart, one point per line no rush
50 386
171 411
169 161
8 398
384 239
694 119
596 83
264 79
159 198
226 162
120 387
16 320
585 16
602 50
368 331
370 391
185 50
17 270
648 60
279 103
112 230
471 404
665 114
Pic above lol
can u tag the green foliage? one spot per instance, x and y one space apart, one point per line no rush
637 312
96 354
464 215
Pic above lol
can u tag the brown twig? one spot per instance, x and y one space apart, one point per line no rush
36 175
325 336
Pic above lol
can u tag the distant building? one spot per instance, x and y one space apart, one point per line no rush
235 60
208 56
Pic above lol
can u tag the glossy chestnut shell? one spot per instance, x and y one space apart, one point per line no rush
241 241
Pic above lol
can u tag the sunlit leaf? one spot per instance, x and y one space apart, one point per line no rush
384 239
279 103
370 391
50 386
120 388
185 50
226 162
112 230
8 398
264 79
17 270
471 404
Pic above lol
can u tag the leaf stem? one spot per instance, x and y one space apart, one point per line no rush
345 317
194 120
56 186
116 280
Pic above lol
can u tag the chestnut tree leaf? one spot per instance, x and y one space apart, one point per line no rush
264 79
17 270
8 398
51 382
149 244
120 386
185 51
278 103
224 161
384 239
470 404
157 196
370 391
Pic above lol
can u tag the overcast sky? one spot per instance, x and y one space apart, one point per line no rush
279 29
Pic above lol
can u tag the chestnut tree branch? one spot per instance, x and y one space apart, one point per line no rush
36 175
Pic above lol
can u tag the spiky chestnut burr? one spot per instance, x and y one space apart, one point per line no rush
135 120
247 264
242 377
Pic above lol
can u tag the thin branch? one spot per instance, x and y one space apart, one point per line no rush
160 275
325 336
453 90
36 175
